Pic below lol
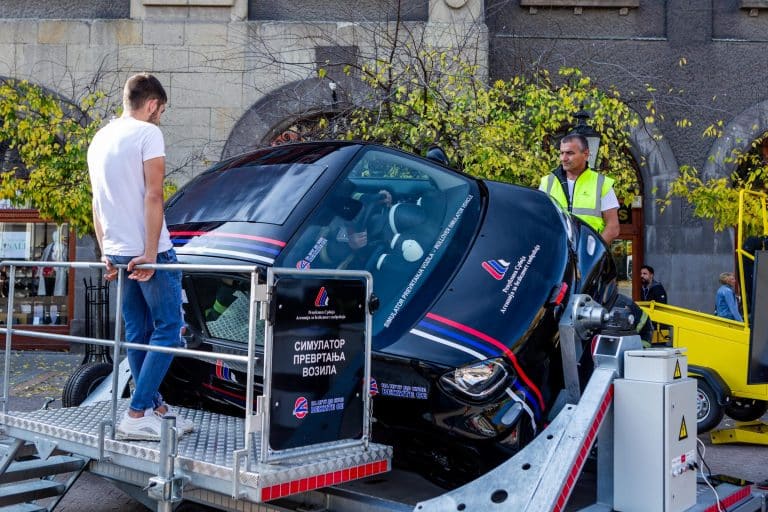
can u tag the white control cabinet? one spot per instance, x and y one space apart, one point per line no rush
654 433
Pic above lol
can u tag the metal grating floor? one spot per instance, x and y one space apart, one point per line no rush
205 455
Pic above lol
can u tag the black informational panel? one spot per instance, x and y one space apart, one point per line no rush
758 342
318 361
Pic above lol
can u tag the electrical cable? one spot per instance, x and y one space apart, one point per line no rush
701 453
704 477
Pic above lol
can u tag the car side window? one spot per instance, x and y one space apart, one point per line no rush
224 305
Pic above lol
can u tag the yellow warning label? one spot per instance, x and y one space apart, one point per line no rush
683 430
678 374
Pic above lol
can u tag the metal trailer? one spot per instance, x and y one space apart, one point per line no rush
224 464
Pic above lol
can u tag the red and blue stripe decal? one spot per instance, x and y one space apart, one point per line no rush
234 244
223 372
477 343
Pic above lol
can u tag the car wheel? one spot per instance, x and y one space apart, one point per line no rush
82 383
745 409
709 412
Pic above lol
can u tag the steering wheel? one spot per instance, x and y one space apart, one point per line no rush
372 206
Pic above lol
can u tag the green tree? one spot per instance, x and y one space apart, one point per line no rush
51 137
505 131
717 198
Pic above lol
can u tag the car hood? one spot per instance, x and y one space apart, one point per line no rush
497 298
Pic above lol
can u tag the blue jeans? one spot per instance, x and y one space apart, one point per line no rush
152 315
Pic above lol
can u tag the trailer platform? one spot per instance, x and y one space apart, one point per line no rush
205 457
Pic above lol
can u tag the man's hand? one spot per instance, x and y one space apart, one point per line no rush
111 273
358 240
386 197
141 274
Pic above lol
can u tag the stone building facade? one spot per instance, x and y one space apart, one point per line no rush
706 61
238 72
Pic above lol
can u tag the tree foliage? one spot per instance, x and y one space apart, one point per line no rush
506 131
51 137
717 198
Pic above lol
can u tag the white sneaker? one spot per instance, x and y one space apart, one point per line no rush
146 428
184 425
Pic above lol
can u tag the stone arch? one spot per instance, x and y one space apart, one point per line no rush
658 167
738 134
654 164
292 102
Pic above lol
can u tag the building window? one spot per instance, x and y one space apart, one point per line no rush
754 6
580 3
622 5
41 294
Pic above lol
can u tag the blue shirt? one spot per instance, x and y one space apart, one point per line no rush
725 304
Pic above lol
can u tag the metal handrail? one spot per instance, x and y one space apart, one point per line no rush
119 344
762 198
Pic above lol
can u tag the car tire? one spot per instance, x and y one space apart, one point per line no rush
82 382
709 412
745 409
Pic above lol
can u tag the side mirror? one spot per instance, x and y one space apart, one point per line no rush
436 154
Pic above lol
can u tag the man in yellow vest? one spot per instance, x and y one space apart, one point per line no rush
583 192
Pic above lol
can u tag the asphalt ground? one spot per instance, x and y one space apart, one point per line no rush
37 378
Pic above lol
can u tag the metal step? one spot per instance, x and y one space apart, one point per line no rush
25 507
37 468
8 448
29 491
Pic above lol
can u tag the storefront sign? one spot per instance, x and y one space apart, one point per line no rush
318 361
14 245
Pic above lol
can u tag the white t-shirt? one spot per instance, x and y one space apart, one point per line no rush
116 159
609 201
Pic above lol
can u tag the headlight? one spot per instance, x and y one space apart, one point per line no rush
477 381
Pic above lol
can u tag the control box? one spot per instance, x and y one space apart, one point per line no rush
654 433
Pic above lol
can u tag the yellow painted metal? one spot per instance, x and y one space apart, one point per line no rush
750 432
711 341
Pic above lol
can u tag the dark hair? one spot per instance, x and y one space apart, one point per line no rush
573 136
140 88
648 268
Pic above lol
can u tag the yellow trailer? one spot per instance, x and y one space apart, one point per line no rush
721 351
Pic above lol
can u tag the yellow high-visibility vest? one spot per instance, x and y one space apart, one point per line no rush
588 192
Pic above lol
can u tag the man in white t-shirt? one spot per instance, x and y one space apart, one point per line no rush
587 194
126 164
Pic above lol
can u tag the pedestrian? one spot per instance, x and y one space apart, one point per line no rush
726 305
126 164
651 289
587 194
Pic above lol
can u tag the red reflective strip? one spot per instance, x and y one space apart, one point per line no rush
272 241
561 294
315 482
507 352
225 392
731 500
581 458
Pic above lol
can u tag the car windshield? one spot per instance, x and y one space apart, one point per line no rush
249 193
392 215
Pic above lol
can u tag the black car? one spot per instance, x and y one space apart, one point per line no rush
471 276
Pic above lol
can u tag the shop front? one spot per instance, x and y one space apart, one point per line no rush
43 297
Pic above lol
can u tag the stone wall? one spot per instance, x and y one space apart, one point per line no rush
705 60
229 77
